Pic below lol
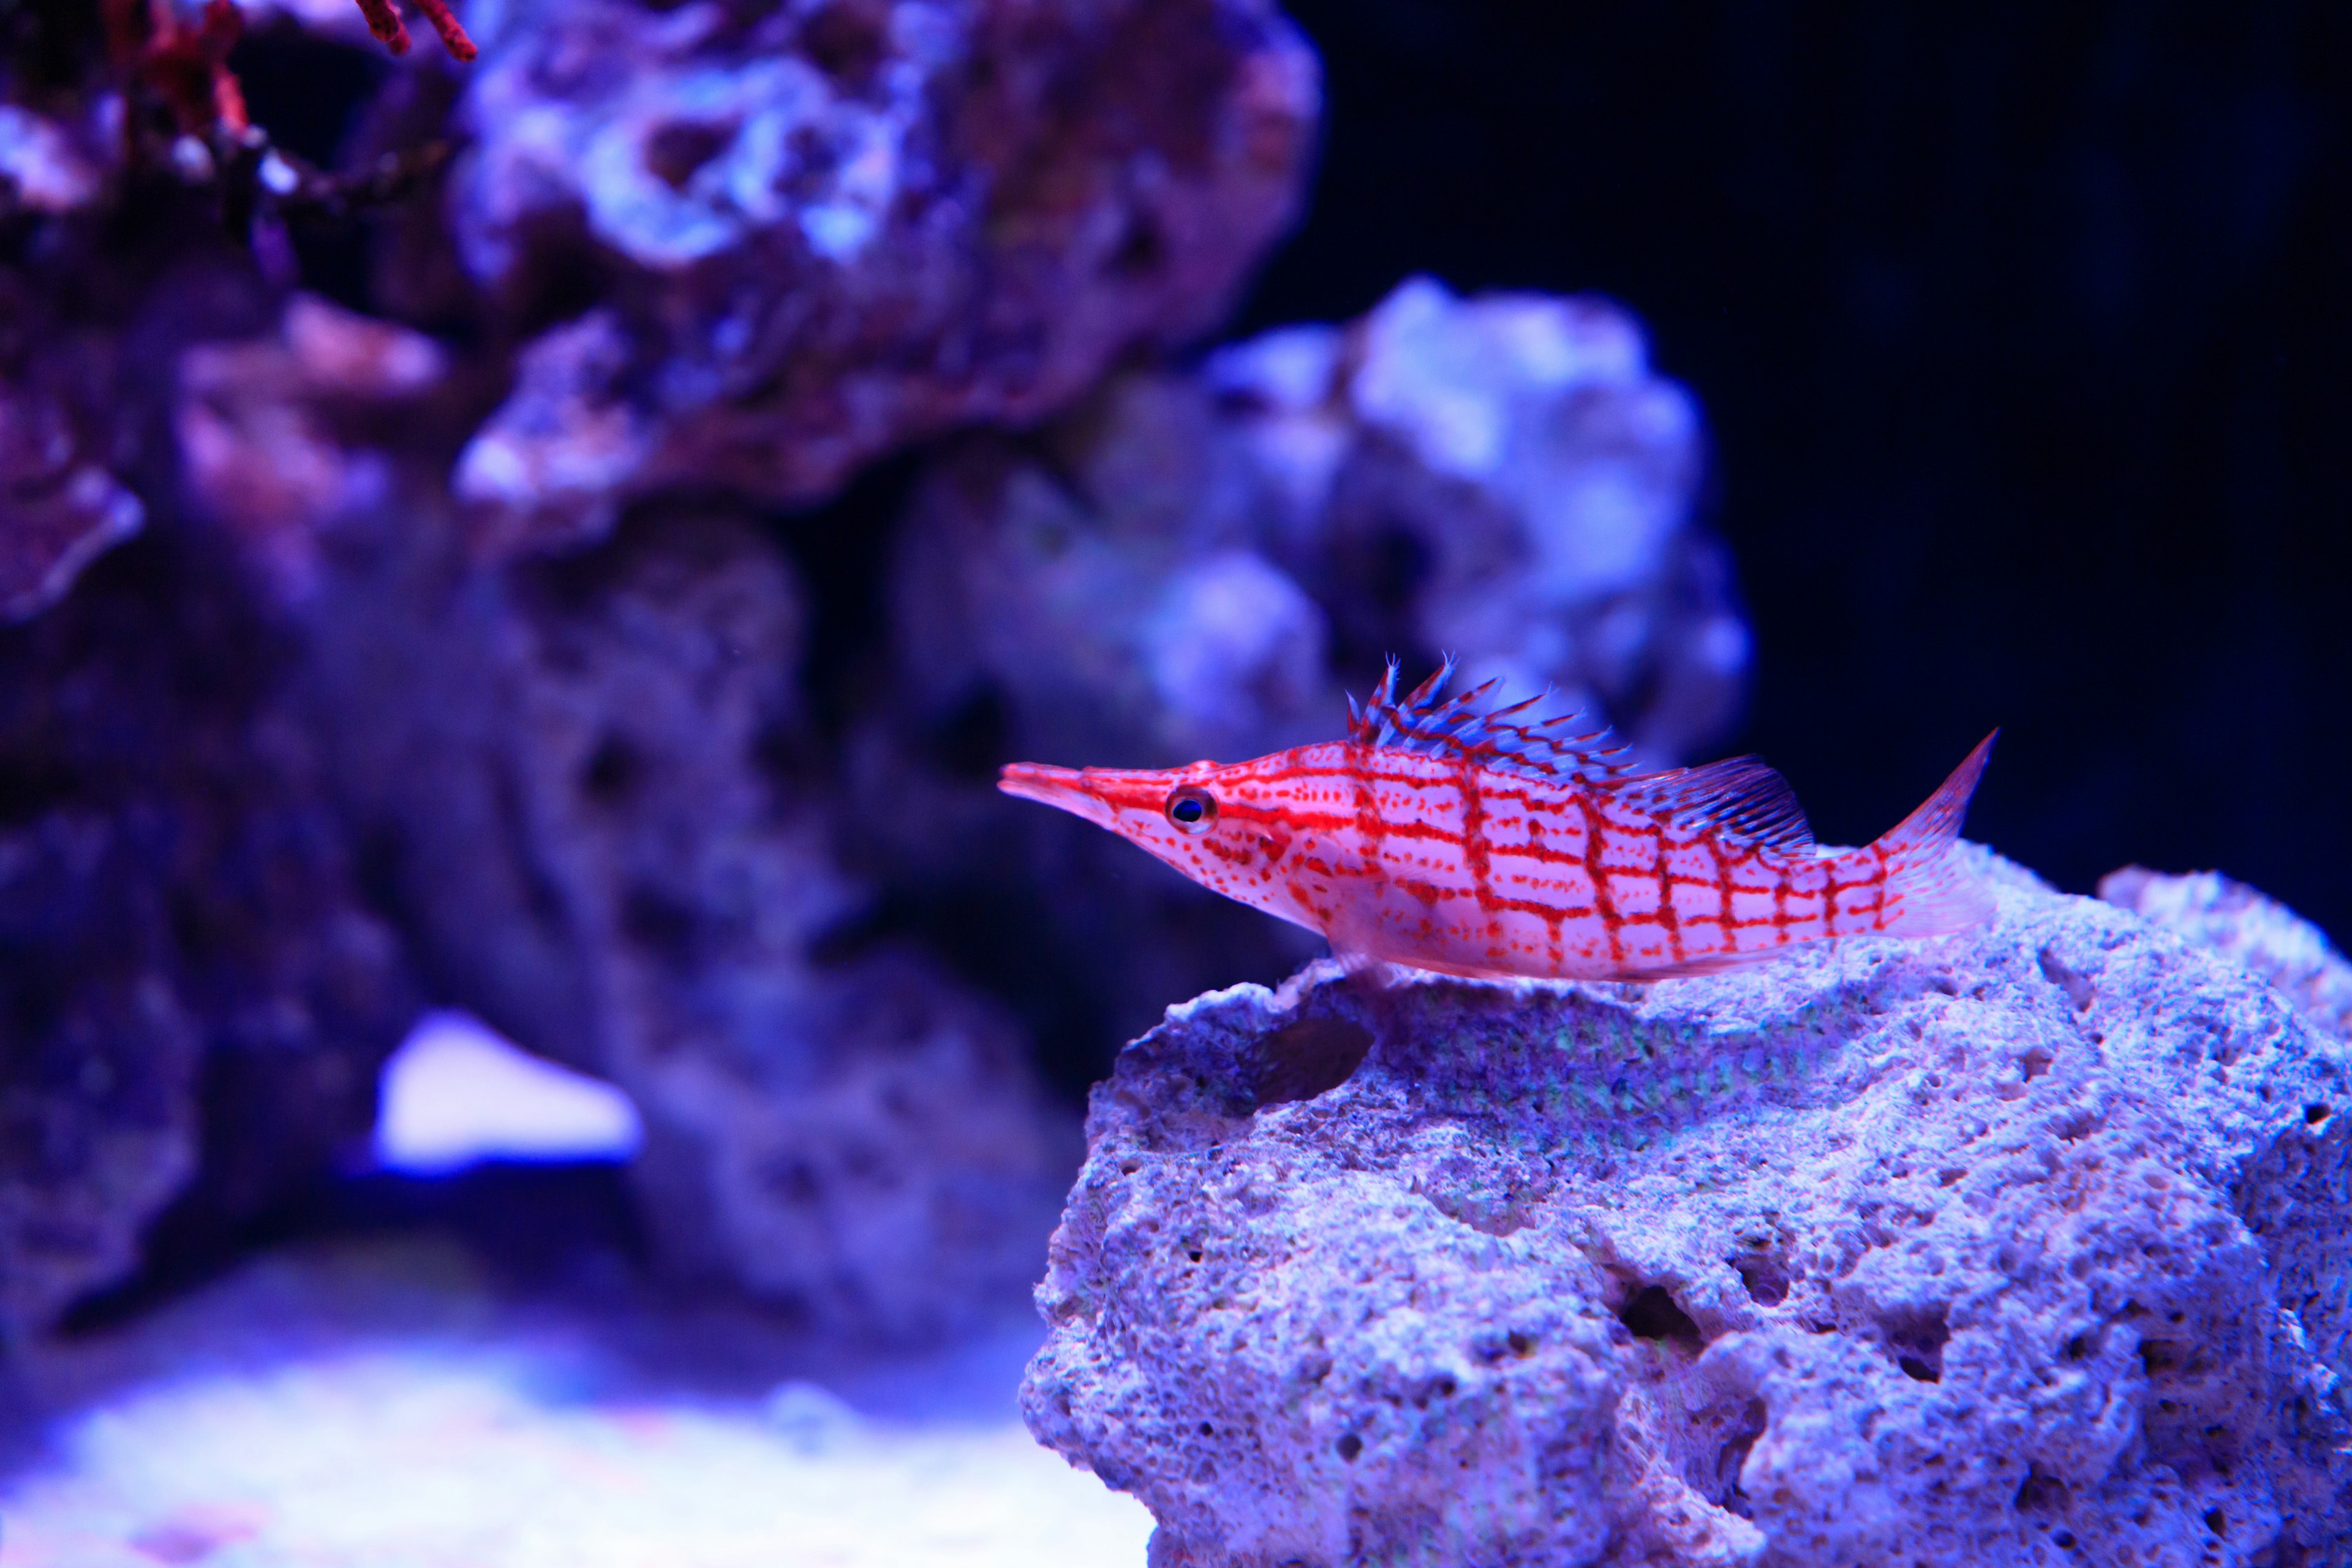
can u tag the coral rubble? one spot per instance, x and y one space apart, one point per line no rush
2030 1242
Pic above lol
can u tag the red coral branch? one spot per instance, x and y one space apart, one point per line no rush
185 109
383 21
453 34
187 67
223 22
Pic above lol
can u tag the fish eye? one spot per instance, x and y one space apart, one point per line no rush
1191 808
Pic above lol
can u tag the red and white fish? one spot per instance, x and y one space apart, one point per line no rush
1444 834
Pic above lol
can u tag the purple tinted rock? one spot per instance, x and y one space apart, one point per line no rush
1199 565
822 231
95 310
285 440
58 513
1106 582
1505 479
2022 1243
592 791
61 505
195 999
42 168
2244 926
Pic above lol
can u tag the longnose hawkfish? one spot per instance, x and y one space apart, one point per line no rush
1454 835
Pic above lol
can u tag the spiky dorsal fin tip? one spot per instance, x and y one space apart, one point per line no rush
1469 725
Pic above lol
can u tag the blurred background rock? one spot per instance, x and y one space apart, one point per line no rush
570 537
688 264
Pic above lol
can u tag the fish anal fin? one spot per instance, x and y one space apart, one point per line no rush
1739 798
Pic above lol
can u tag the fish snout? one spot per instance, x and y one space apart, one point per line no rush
1066 788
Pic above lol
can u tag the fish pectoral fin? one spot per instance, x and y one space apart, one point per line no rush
1364 970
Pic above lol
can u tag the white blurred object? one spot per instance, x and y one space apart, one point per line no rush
455 1093
814 1420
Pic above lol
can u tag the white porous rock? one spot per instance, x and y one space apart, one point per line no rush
2025 1246
2241 923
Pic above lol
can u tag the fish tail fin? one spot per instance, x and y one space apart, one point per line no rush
1931 892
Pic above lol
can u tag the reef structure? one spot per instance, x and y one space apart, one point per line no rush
2022 1246
813 234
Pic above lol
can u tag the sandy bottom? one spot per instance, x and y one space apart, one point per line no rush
382 1406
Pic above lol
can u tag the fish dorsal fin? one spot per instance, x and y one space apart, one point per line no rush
1739 798
1565 747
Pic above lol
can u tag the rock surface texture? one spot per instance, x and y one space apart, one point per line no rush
2241 924
814 232
2025 1247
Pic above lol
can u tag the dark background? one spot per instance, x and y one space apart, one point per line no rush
2023 337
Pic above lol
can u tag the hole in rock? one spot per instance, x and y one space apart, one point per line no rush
2080 992
2034 1063
612 771
1733 1455
1141 251
1398 564
778 749
2315 1114
2041 1492
1349 1447
660 921
674 152
2216 1522
1652 1314
847 41
1917 1345
2077 1126
2159 1356
1304 1059
1766 1283
1442 1386
519 1161
306 91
